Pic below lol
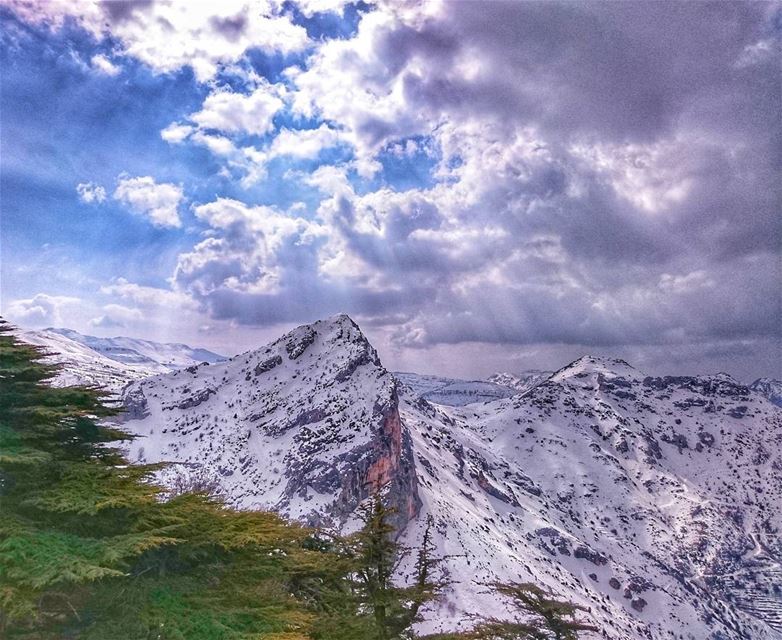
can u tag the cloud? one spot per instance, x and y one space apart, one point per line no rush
249 249
158 202
565 184
310 7
595 175
89 192
261 265
176 133
104 65
167 36
758 52
231 112
329 179
41 310
116 315
304 143
226 115
148 297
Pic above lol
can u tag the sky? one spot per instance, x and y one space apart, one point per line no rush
482 186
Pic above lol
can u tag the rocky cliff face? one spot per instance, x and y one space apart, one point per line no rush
308 426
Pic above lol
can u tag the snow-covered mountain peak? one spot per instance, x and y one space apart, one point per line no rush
338 335
589 365
521 382
308 425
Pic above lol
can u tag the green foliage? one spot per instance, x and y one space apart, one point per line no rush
371 605
540 615
88 547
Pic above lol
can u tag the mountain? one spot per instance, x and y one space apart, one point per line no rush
653 501
161 357
452 391
111 363
521 382
308 425
769 388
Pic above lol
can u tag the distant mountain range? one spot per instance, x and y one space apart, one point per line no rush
653 501
112 363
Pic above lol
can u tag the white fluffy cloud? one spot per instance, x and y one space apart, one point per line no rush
232 112
304 143
176 133
148 297
42 310
226 114
104 65
249 249
117 315
311 7
90 192
168 35
159 202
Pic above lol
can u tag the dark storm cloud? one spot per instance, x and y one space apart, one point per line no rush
232 27
619 70
735 301
300 305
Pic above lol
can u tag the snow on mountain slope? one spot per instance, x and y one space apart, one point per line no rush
111 363
161 357
769 388
421 384
654 501
84 366
521 382
308 426
452 391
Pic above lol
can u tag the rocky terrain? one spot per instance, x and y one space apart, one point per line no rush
769 388
655 502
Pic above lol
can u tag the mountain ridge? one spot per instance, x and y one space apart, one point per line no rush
139 351
111 363
320 427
